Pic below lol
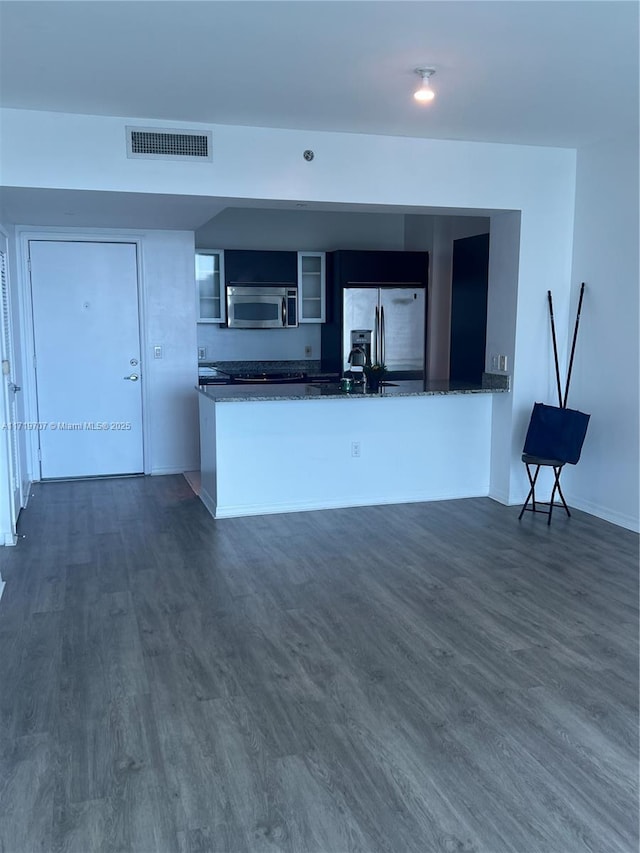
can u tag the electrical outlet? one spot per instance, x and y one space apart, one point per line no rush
202 353
307 351
502 362
157 352
355 448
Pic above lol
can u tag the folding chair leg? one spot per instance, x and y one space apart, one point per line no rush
556 487
557 470
532 490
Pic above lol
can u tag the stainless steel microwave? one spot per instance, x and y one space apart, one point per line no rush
266 306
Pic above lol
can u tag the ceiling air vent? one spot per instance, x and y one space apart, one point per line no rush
153 143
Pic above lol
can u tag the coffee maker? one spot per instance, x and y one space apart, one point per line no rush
360 354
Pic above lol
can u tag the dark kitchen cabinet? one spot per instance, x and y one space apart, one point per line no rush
249 266
363 268
469 290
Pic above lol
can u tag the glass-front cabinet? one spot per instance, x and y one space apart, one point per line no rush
311 287
210 286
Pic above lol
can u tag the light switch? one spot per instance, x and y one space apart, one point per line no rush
157 352
202 353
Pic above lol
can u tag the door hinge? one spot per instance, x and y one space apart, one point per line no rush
34 361
29 264
39 455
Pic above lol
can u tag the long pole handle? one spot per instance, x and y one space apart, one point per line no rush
573 347
555 348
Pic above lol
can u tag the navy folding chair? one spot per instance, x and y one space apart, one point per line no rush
554 438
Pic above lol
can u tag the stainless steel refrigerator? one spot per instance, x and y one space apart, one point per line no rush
396 318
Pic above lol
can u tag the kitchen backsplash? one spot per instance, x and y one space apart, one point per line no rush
224 344
309 366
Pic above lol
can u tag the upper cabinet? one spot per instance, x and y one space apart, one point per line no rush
210 291
255 266
370 268
311 287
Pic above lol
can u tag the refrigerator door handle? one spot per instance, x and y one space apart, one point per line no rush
376 334
382 341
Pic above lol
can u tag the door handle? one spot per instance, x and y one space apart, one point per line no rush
133 377
13 387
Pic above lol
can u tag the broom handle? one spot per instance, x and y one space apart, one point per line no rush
555 348
573 348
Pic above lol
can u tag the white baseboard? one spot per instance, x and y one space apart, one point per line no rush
209 502
501 498
194 479
606 514
310 506
26 494
161 472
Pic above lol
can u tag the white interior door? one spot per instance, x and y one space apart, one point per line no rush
87 355
10 389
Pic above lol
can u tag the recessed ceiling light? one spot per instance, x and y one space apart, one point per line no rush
425 93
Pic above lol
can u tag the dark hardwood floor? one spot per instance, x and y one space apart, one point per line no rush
428 677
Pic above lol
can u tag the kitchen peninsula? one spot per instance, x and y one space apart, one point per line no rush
295 447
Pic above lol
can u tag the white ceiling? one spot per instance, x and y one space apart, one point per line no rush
541 73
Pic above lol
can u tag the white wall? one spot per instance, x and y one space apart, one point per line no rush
412 449
18 435
20 358
169 288
43 149
501 322
301 230
605 377
6 519
168 319
88 152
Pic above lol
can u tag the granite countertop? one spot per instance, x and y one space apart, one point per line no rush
331 391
